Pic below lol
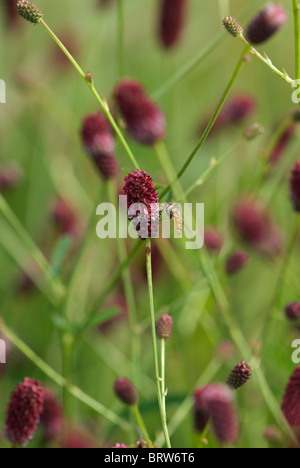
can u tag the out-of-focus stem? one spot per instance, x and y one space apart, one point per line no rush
141 424
297 38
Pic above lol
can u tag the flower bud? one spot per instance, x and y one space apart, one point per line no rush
239 375
23 413
29 11
172 16
266 23
232 26
292 311
236 262
164 327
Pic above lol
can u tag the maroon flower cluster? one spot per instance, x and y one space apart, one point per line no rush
140 189
215 402
126 391
291 399
236 262
52 416
292 311
171 23
144 120
164 327
295 187
99 143
24 411
239 376
266 23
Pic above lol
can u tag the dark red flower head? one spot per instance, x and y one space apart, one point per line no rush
236 262
126 391
11 12
52 416
171 23
144 120
219 404
291 399
266 23
292 311
213 239
201 414
295 187
239 376
164 327
24 411
140 189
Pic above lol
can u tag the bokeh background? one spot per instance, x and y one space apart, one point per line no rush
39 134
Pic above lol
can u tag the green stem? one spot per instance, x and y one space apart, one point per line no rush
101 101
141 424
121 54
163 373
206 132
168 168
297 38
154 343
224 8
58 290
61 382
129 294
267 61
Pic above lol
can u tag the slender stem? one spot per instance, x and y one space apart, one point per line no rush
58 290
121 54
206 132
141 424
267 61
113 281
168 168
101 101
154 343
297 38
129 295
61 382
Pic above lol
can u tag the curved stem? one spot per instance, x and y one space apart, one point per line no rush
101 101
154 343
206 132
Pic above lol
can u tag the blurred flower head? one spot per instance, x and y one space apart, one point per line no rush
295 187
144 120
23 412
171 21
126 391
291 400
213 239
52 418
236 262
292 311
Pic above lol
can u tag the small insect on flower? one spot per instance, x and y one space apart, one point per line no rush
173 212
29 11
